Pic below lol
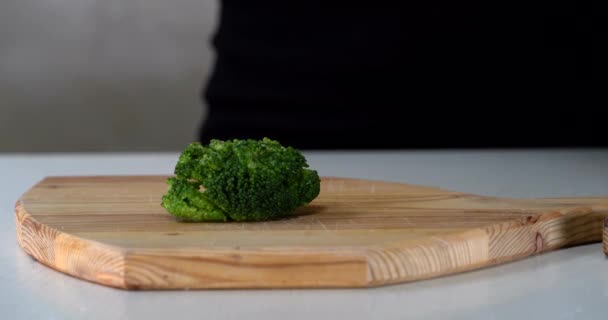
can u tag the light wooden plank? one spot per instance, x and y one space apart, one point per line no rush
357 233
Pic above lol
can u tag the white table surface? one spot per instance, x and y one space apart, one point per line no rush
566 284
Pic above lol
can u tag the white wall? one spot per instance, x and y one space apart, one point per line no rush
103 75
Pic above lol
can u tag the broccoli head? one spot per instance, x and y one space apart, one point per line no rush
239 180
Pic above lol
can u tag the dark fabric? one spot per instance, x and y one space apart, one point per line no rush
403 75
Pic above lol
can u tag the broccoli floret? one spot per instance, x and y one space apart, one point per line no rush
185 201
239 180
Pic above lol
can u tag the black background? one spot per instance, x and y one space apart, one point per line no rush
408 75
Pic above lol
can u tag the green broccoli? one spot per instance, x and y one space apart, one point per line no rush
239 180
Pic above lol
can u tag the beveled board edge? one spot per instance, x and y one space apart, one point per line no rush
364 266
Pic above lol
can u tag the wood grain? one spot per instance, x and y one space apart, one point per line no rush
358 233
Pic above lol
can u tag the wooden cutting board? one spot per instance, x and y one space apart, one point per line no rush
357 233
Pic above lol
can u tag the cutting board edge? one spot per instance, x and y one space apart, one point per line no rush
559 221
367 266
67 253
